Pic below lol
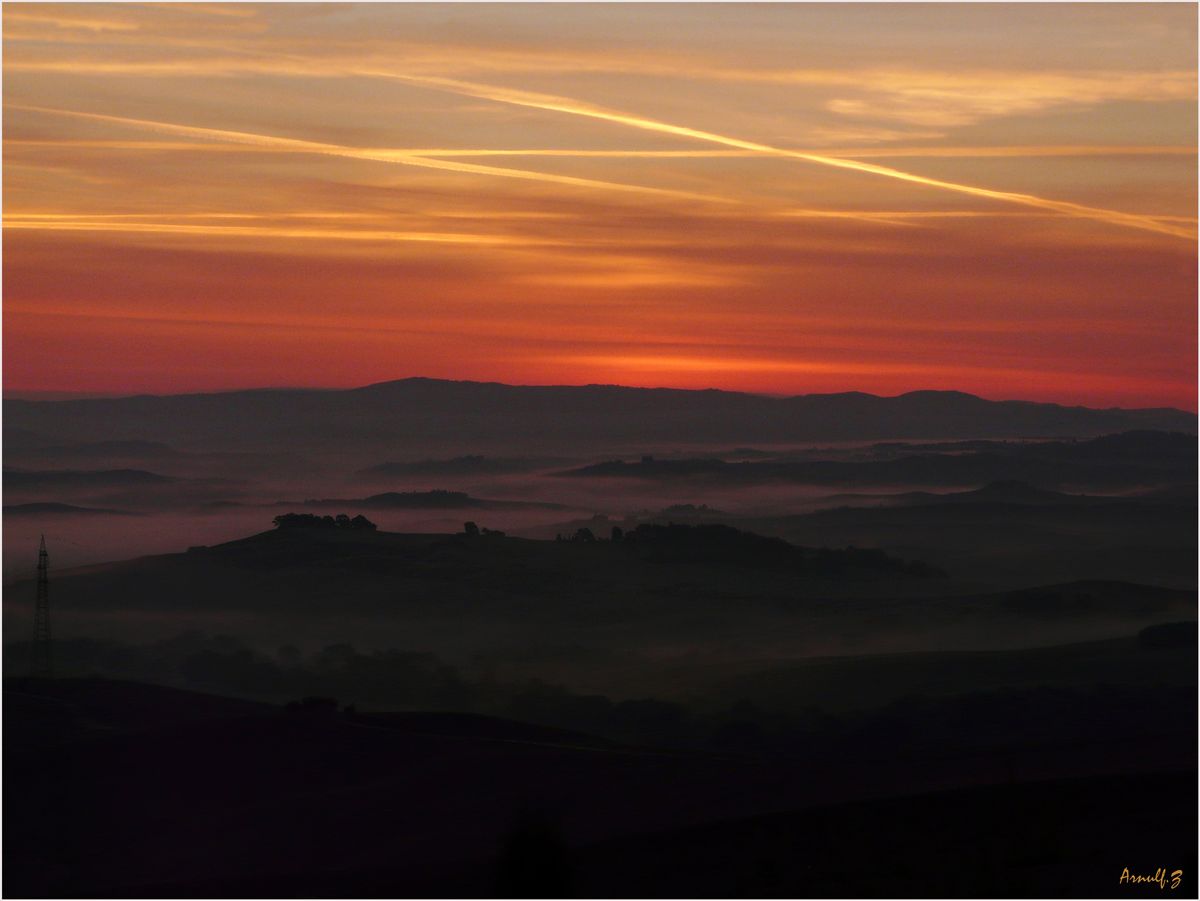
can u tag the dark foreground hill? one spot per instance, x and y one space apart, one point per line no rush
144 792
598 605
425 413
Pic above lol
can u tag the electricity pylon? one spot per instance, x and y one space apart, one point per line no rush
43 661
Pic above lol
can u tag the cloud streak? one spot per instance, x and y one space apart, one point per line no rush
112 224
573 107
1018 151
295 145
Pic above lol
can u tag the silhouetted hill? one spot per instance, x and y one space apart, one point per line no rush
59 509
1000 492
1118 461
1040 840
473 465
864 682
193 796
37 712
22 479
1017 542
421 411
1009 491
715 544
105 450
437 499
602 609
476 726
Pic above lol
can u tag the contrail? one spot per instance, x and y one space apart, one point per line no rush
382 156
1015 150
400 157
578 108
93 224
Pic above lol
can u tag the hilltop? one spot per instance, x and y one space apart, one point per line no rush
427 413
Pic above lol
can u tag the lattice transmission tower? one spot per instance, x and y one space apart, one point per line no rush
43 659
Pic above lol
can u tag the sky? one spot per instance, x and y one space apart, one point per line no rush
779 198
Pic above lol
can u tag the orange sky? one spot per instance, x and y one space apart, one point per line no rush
785 198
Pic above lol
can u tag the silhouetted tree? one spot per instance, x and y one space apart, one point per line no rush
584 534
618 534
470 528
312 521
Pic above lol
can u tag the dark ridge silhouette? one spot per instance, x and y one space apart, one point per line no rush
1135 444
712 580
1000 492
398 411
487 708
1135 460
435 499
1169 635
722 545
100 450
480 726
691 510
1088 596
473 465
1172 494
1138 444
837 684
1010 491
24 479
1014 544
22 439
49 509
46 714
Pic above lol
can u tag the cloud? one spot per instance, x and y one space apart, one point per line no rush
105 224
272 142
63 21
927 152
945 100
578 108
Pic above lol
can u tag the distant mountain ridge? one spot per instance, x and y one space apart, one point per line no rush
420 411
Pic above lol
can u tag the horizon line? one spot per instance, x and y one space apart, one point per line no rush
66 395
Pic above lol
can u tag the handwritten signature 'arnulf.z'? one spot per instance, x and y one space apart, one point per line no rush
1159 878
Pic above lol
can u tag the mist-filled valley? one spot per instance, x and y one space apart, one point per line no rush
945 606
600 450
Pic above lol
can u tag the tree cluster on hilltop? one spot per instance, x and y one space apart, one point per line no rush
313 521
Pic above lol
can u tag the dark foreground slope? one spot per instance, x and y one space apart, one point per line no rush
124 790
